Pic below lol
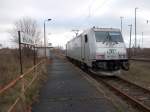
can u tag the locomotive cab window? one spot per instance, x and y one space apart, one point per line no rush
103 36
86 38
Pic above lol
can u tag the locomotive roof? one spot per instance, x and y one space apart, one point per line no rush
97 29
105 29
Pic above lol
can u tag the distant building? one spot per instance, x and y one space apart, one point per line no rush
49 44
41 51
1 46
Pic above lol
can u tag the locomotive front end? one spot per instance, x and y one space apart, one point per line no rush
111 54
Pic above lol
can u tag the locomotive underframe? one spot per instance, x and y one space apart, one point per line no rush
110 65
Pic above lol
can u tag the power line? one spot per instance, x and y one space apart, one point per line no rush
90 14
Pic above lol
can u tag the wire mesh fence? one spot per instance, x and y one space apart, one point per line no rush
20 75
18 94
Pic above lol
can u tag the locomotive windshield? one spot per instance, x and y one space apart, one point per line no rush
103 36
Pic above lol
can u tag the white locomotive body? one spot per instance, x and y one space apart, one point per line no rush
100 49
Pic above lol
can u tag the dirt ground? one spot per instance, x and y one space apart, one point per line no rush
139 73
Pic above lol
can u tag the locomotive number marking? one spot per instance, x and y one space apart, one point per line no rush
112 51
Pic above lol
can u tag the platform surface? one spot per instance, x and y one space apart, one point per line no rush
66 90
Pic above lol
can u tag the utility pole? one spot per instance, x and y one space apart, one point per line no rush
147 21
135 31
45 35
130 40
142 41
121 23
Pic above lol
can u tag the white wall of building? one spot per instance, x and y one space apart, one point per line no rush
41 52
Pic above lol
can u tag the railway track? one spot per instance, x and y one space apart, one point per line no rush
140 59
138 96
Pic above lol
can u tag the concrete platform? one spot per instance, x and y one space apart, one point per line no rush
68 91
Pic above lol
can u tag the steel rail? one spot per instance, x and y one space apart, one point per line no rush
129 82
140 59
128 97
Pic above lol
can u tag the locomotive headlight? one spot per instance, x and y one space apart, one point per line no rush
122 55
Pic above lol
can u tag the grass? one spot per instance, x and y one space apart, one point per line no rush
10 65
9 70
139 73
140 53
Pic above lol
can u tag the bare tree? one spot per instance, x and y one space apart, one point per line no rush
27 25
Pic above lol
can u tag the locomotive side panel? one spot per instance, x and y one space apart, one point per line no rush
88 47
74 48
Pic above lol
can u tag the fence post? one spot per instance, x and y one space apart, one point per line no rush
34 60
21 72
20 53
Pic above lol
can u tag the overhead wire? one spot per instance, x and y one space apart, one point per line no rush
91 14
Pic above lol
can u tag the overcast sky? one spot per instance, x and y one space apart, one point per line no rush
76 14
